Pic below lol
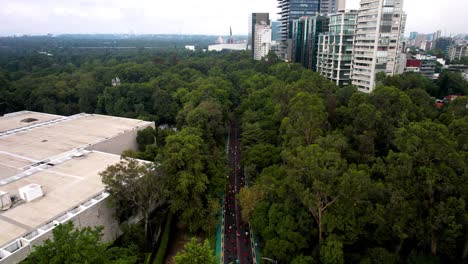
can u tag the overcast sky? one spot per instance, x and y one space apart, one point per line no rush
188 16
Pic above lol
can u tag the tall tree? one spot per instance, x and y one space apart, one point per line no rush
135 186
305 121
184 160
195 253
433 175
69 245
315 174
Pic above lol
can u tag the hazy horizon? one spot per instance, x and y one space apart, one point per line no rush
203 17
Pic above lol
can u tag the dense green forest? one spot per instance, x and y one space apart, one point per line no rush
336 176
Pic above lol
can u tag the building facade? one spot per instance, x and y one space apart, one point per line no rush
428 66
377 42
457 52
331 6
306 31
335 48
292 10
254 19
227 46
443 44
262 41
275 30
422 64
437 35
420 39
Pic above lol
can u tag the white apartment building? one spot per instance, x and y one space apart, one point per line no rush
457 52
262 43
377 42
335 47
332 6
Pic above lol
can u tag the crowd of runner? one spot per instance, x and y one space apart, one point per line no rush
237 245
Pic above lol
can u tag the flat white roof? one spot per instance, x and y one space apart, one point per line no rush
24 146
24 118
65 185
50 150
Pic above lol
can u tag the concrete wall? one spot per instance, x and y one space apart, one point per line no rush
118 144
98 214
18 256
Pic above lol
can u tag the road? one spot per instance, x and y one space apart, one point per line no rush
237 245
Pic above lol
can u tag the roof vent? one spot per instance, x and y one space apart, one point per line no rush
31 192
29 120
5 201
78 154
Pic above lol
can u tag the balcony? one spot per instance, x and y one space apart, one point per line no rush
361 67
356 60
360 77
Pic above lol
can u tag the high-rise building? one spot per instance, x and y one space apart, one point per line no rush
335 48
262 41
305 39
377 41
427 45
413 35
437 35
275 30
290 11
420 39
331 6
457 52
443 44
254 19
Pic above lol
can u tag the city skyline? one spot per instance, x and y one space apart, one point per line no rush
211 17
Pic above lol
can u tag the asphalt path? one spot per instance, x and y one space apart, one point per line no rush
237 245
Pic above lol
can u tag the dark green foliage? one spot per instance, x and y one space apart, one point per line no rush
70 245
145 137
161 253
336 175
196 253
452 83
412 80
366 177
331 252
135 188
304 260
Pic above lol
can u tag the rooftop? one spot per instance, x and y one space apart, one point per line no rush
66 185
51 136
24 118
52 151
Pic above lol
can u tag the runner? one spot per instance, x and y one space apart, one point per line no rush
237 244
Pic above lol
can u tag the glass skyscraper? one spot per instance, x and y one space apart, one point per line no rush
276 30
294 9
290 11
305 35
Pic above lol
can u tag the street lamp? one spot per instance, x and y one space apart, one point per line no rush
271 260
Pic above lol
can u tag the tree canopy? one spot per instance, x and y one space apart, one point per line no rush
334 176
73 246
